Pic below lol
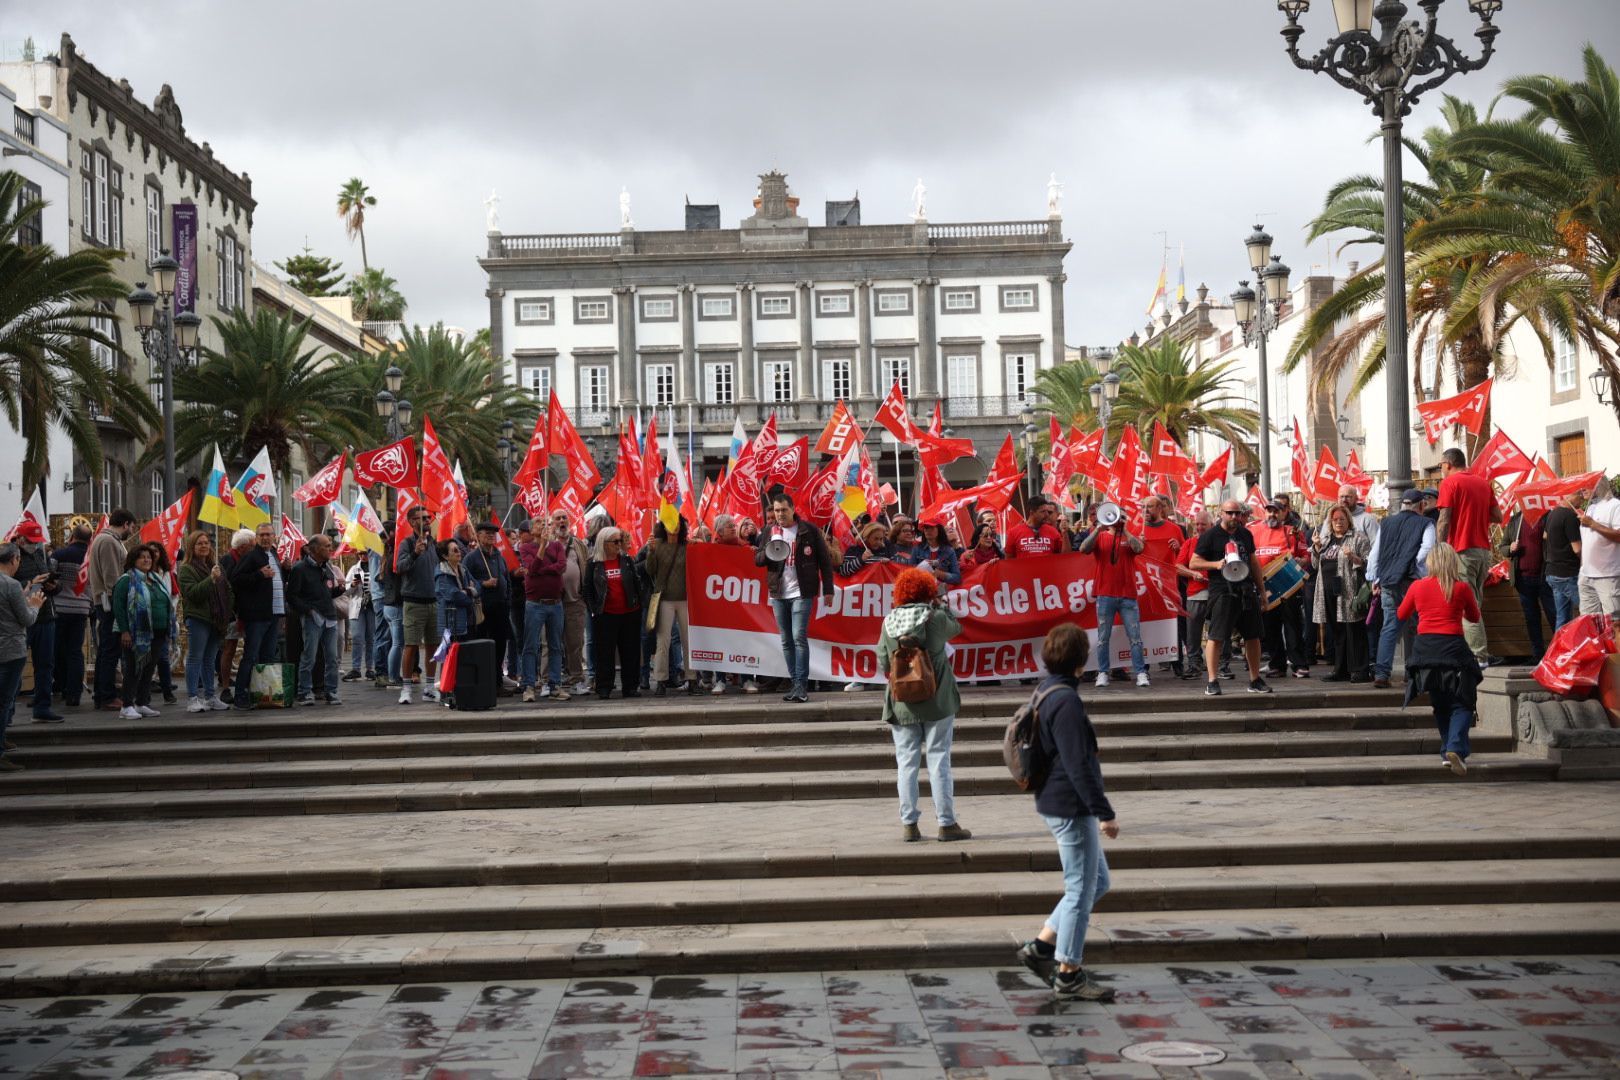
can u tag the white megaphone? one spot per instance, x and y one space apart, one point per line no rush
1109 515
1234 567
778 549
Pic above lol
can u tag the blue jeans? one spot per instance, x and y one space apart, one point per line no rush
1130 615
1085 880
1391 597
202 657
1566 592
42 643
793 620
911 741
394 616
259 639
324 638
539 617
382 638
1453 721
10 681
362 629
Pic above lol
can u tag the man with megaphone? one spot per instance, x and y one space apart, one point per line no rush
1227 552
1114 587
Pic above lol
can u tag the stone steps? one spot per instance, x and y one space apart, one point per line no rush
1192 935
376 798
773 757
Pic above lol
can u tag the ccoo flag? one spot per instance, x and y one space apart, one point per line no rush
254 491
219 504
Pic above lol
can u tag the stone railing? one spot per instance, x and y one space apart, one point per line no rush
559 242
998 230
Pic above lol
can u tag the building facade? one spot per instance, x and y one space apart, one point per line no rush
133 173
780 316
35 146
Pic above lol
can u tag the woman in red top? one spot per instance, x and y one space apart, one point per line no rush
1441 663
984 549
612 590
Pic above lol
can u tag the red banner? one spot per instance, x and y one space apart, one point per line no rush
393 465
290 544
169 527
1005 609
324 487
1466 408
1500 456
1543 495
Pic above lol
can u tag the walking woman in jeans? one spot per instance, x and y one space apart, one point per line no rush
205 598
920 726
1441 664
1071 800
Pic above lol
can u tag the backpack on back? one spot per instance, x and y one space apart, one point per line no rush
1021 747
911 672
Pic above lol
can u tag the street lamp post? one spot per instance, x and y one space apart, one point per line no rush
506 448
1390 70
1258 315
166 336
395 411
1103 393
1028 439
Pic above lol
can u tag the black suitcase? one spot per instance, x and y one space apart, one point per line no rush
478 676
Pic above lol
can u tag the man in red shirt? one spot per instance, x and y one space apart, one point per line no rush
1285 625
1037 535
1467 511
1114 589
1162 539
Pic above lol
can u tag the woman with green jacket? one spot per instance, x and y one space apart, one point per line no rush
921 726
140 601
206 604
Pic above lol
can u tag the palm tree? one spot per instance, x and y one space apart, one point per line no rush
454 381
50 305
1163 382
262 387
376 297
1066 391
354 198
1549 215
1435 285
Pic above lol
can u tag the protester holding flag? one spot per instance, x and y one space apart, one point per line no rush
72 614
18 610
983 549
363 618
543 614
313 586
938 552
487 566
260 604
107 555
141 617
38 568
614 593
873 547
206 602
664 566
795 582
1036 535
1600 553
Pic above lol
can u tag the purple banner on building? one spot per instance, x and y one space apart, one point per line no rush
184 231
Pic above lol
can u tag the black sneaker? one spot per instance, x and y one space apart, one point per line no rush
1258 686
1212 689
1078 986
351 676
1042 963
1227 673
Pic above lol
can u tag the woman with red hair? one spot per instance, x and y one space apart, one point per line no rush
919 618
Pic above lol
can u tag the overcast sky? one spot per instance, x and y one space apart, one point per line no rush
1181 117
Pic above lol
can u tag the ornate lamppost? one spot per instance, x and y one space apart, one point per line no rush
1390 70
167 336
395 411
1258 314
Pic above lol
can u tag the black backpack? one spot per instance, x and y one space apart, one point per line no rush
1021 745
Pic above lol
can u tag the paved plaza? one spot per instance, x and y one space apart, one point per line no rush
1551 1017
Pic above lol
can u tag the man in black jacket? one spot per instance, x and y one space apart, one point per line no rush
260 604
794 592
36 567
312 587
488 568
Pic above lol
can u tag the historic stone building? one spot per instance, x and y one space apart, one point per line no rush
132 168
781 315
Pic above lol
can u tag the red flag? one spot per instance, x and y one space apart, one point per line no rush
403 533
538 457
1300 468
1217 469
532 497
325 486
393 465
1167 458
930 485
889 496
1127 477
936 423
1466 408
1257 502
840 433
1005 465
869 484
938 450
893 417
789 465
1160 579
572 503
952 498
1059 467
842 530
1352 475
290 544
652 465
503 545
563 438
821 494
1086 456
439 489
765 443
1500 457
707 510
1539 496
169 527
1161 484
1327 480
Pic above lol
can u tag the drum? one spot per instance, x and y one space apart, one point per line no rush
1284 578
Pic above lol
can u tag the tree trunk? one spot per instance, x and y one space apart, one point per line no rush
364 263
1474 367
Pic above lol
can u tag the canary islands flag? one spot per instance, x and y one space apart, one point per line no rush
739 439
219 503
852 494
364 530
254 491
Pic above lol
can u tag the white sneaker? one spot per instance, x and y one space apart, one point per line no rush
581 687
542 691
1142 679
430 694
853 688
147 710
508 684
405 694
129 712
1102 678
719 687
751 686
218 704
196 704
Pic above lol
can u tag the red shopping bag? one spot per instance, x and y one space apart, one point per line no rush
1575 657
447 668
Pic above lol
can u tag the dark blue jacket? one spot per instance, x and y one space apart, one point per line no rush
1399 539
1074 784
